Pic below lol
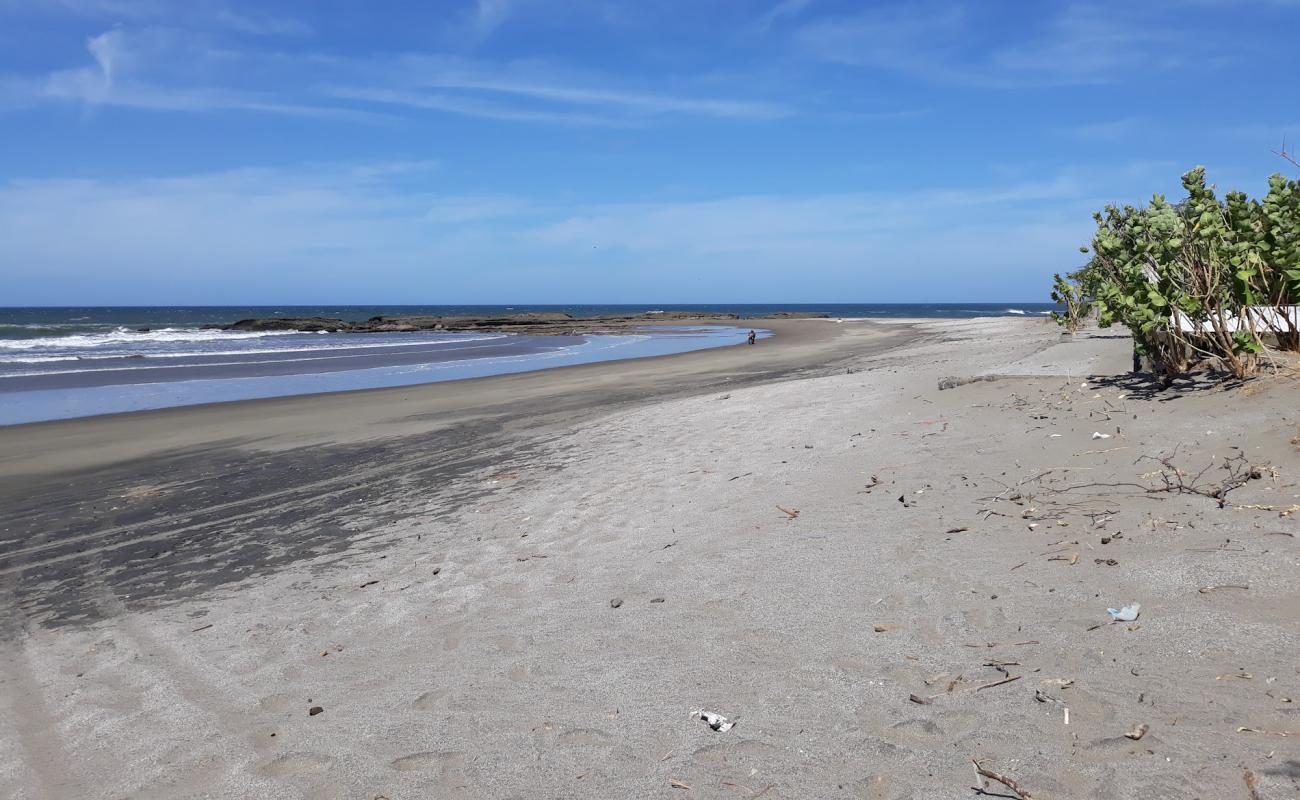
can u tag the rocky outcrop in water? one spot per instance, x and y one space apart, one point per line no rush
304 324
536 322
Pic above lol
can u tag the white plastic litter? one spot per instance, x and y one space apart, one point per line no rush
1100 435
715 721
1126 614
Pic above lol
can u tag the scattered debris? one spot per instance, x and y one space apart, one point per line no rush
1128 613
201 628
1138 732
368 583
1110 562
656 600
1176 481
1269 733
616 602
676 784
1208 589
715 721
1252 783
981 772
314 710
1100 435
919 700
885 627
792 513
998 683
954 382
957 530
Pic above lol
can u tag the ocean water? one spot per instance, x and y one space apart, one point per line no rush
58 363
32 323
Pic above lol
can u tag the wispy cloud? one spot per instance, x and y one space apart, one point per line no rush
785 8
175 233
465 106
1111 131
490 15
199 13
110 82
161 69
758 223
941 42
412 235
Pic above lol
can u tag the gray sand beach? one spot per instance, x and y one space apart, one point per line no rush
523 586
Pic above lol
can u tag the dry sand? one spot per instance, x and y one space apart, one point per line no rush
801 534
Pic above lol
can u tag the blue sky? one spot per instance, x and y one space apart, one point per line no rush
223 152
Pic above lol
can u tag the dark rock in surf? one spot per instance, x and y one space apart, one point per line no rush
304 324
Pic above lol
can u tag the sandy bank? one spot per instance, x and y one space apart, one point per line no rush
801 550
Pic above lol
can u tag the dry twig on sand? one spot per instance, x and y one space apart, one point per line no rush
981 772
1252 784
999 683
1244 729
1174 480
792 513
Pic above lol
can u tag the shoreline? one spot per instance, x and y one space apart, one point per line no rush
23 447
524 589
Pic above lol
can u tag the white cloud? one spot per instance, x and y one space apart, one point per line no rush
785 8
354 232
490 15
466 106
944 42
195 13
114 81
162 69
1115 130
637 103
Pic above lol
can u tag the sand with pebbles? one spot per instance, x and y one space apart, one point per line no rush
801 542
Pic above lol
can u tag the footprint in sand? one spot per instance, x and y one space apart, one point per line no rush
919 728
279 702
743 752
525 672
426 761
429 700
293 765
584 737
874 787
508 644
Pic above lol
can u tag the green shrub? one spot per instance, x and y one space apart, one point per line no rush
1205 280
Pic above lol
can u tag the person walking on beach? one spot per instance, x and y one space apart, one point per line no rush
752 336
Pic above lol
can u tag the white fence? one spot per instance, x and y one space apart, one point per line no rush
1277 319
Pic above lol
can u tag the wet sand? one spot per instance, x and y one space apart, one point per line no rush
800 535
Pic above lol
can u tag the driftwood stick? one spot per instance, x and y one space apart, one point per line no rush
1002 779
999 683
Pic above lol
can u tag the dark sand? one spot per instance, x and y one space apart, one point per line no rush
119 491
